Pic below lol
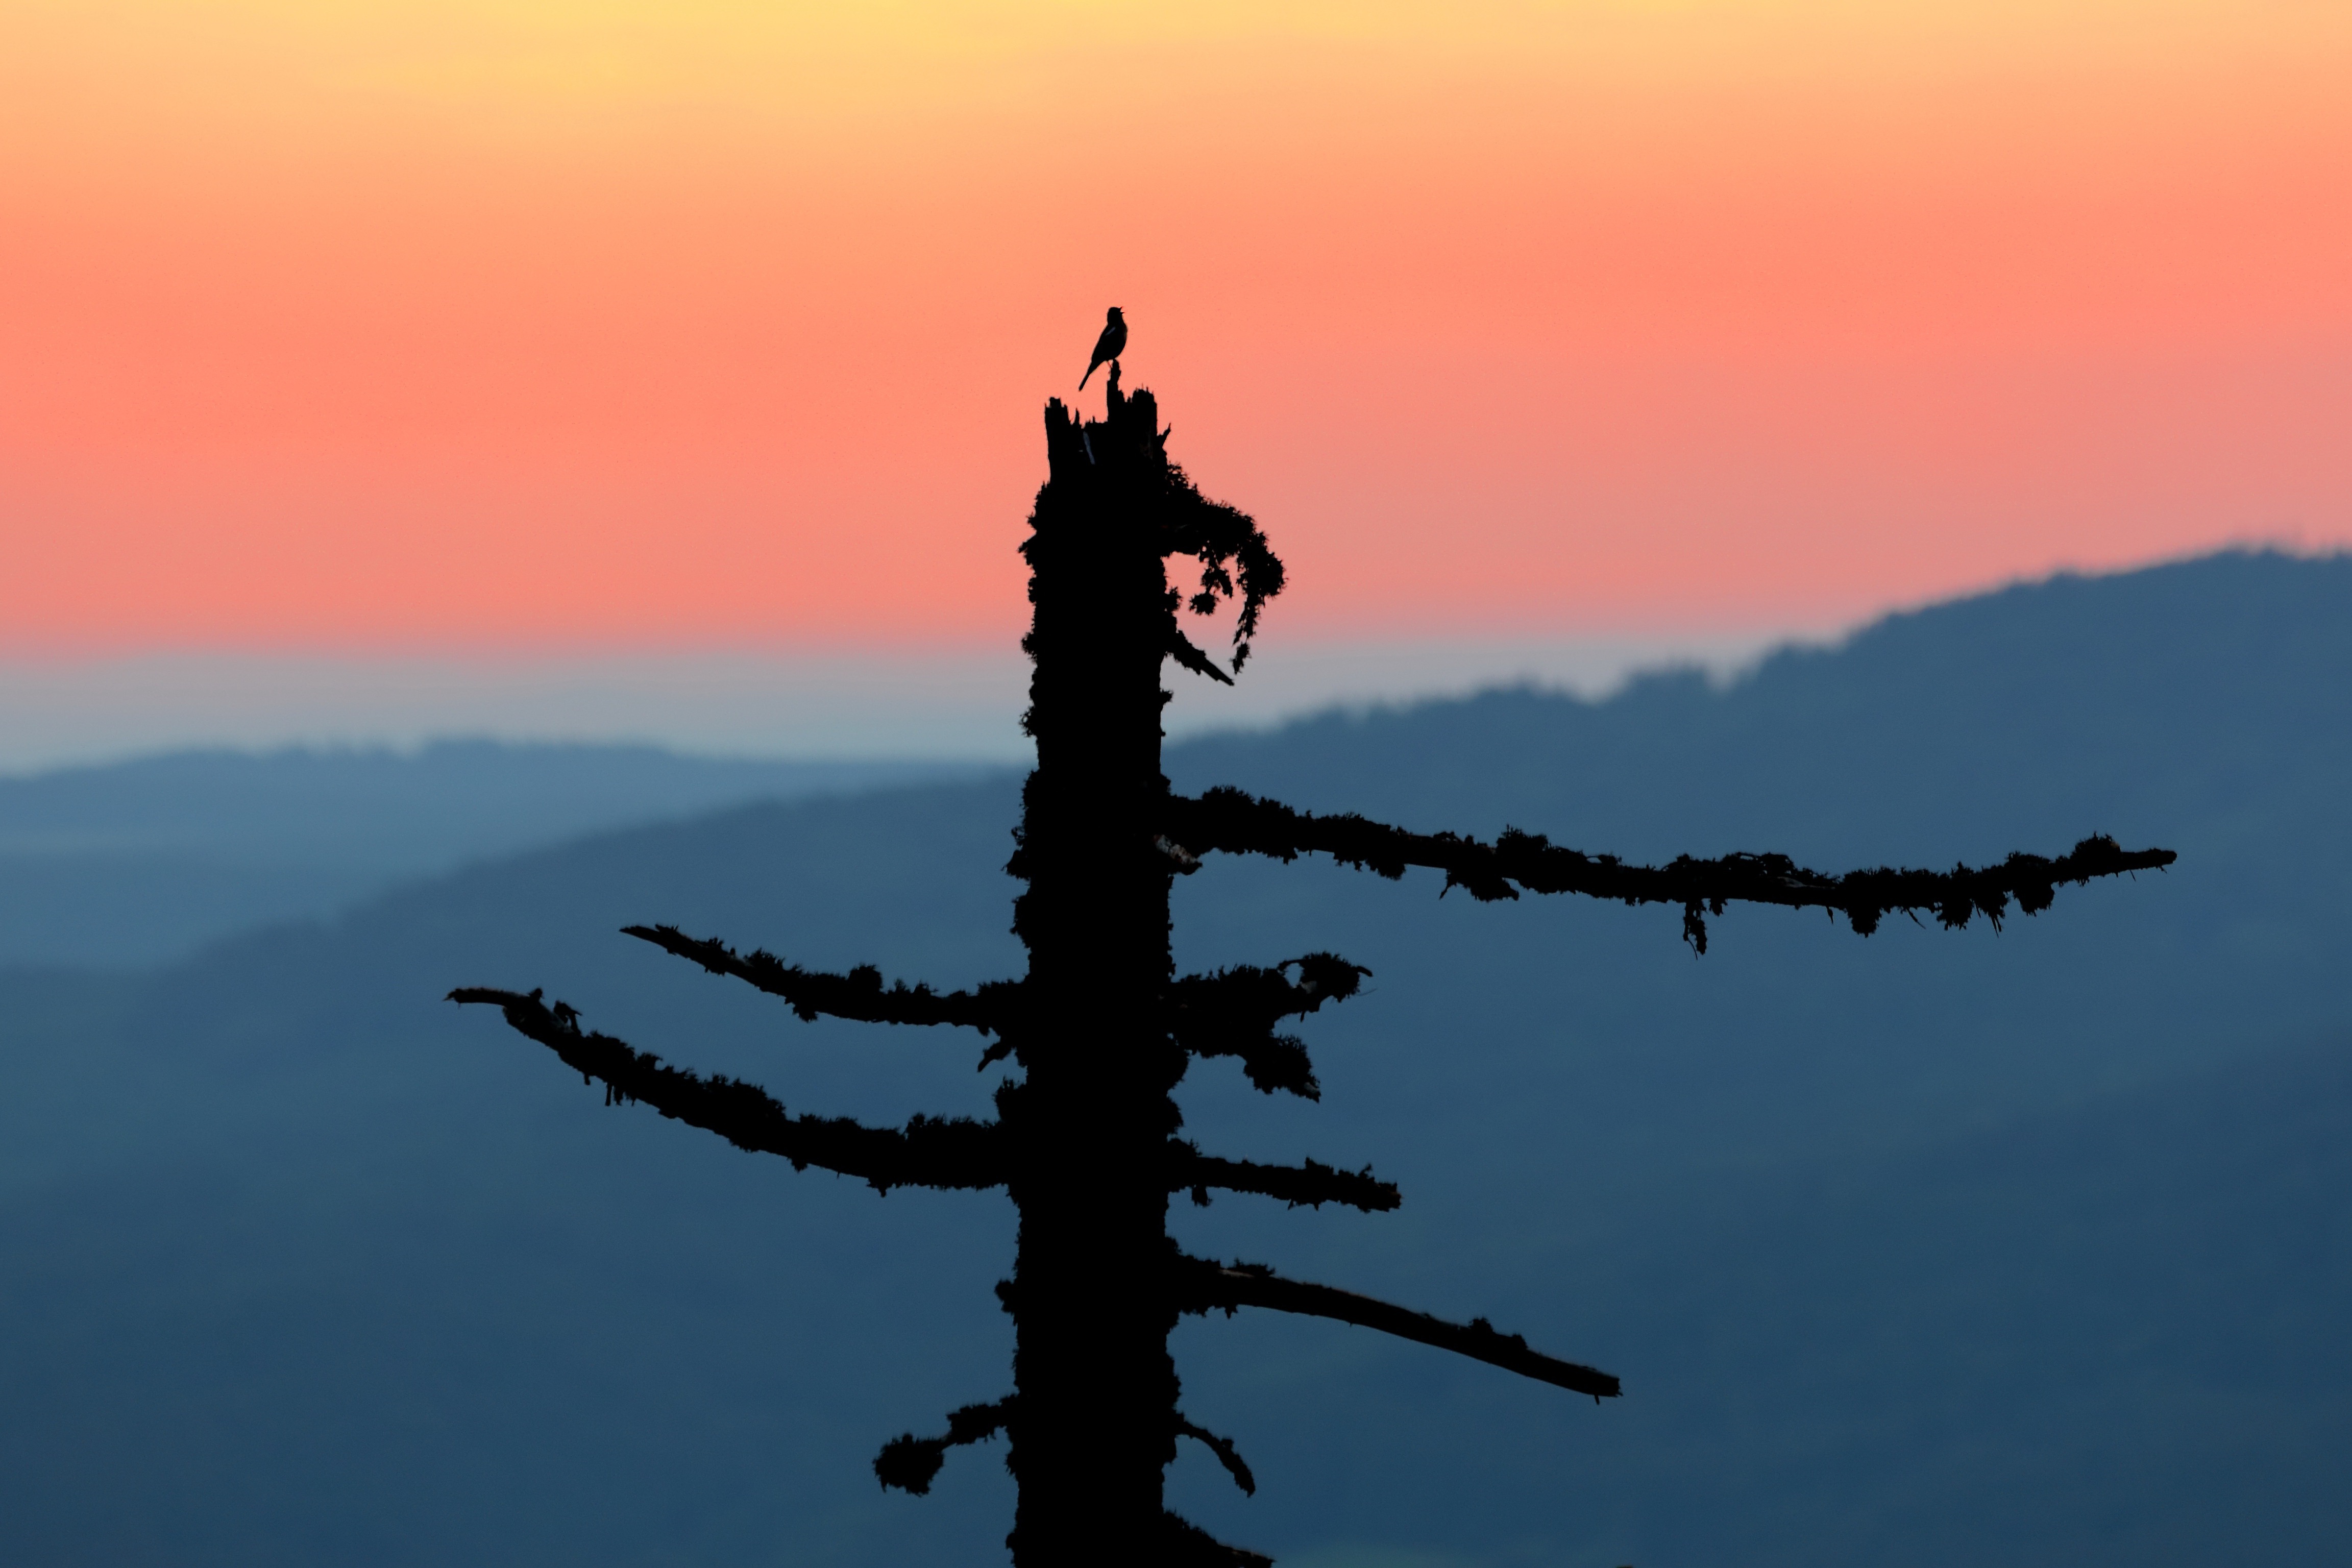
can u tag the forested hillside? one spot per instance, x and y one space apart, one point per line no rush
2026 1245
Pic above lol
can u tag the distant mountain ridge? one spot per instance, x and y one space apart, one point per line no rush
1941 1247
135 863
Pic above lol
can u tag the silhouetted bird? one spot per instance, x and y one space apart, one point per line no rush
1108 346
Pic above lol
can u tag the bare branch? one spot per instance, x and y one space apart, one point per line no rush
1223 1448
909 1463
1232 1012
859 995
927 1152
1185 1544
1186 652
1312 1185
1203 1286
1229 820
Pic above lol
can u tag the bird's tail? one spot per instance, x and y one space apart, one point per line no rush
1090 370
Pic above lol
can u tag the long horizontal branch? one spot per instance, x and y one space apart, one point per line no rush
1236 823
859 995
927 1152
1312 1185
1205 1286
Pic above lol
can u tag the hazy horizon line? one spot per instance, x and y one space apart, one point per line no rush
943 703
960 706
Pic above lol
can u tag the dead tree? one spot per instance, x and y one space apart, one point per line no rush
1087 1141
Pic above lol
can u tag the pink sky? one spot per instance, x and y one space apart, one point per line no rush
513 326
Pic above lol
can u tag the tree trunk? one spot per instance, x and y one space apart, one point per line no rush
1093 1425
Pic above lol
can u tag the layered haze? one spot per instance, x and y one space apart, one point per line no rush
374 373
2024 1245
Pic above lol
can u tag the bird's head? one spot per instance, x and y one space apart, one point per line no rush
1115 318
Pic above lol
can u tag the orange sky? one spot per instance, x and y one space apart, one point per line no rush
597 326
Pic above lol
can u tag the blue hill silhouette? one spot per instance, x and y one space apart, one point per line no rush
134 864
2026 1245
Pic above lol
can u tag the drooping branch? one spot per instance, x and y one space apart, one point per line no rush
1270 1061
927 1152
1183 1544
859 995
1232 1012
1187 652
1223 1448
1311 1184
1227 541
1202 1286
910 1463
1229 820
1129 451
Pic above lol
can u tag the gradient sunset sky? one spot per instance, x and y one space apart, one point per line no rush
347 326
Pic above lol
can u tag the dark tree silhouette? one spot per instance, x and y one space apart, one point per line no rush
1086 1138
